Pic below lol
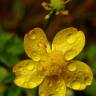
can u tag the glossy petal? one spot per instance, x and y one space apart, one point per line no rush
36 44
28 74
77 75
70 41
52 86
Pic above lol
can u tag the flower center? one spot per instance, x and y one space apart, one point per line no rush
56 64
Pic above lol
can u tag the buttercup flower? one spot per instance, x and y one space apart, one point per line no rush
51 66
57 5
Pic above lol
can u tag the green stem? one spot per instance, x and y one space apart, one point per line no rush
50 20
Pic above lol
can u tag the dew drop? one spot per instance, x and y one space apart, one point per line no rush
40 44
32 35
19 81
72 67
35 56
30 67
83 86
75 85
42 94
88 81
71 39
49 84
70 54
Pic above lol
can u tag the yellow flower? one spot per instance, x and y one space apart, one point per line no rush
51 66
57 5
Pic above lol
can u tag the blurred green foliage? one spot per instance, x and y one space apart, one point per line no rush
11 48
89 54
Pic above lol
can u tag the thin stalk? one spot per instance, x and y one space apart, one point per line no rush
52 15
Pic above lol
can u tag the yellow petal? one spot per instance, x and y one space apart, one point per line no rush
29 74
52 86
36 44
46 6
69 92
70 41
77 75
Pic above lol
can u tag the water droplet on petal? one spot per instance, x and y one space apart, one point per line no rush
83 86
50 84
75 85
19 81
72 67
88 83
71 39
35 56
30 67
40 44
70 54
32 35
42 94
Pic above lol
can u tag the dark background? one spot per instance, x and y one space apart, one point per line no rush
17 17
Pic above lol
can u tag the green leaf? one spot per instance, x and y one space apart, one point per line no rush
91 52
1 94
11 47
4 37
8 59
9 78
15 46
14 91
3 74
91 90
32 92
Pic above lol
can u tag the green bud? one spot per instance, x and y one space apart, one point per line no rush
57 4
